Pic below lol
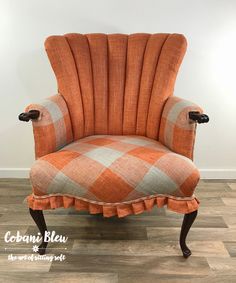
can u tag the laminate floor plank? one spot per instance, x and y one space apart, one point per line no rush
222 266
11 200
213 187
94 233
229 201
171 220
148 248
206 194
12 208
15 191
195 234
153 278
231 247
212 201
218 210
230 220
232 185
149 264
54 277
23 265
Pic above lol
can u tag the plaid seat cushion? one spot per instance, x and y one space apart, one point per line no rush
107 169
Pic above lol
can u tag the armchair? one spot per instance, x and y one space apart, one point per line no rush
115 116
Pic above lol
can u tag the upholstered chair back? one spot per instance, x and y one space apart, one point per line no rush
116 84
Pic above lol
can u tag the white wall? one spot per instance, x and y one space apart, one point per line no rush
207 75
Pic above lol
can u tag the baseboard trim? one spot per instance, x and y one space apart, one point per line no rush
14 172
218 173
205 173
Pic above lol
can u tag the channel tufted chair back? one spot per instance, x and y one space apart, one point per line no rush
116 84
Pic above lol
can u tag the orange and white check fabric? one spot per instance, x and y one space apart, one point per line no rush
52 130
177 132
114 170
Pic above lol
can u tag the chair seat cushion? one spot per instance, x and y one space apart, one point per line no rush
114 170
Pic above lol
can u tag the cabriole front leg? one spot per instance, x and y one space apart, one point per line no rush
38 218
186 225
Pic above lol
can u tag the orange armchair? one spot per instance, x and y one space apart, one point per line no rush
114 140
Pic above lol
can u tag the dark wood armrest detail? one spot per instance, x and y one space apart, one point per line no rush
198 117
31 115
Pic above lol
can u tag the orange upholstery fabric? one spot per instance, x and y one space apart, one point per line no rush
180 205
116 171
177 132
53 128
116 84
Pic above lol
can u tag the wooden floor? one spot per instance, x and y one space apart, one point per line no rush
142 248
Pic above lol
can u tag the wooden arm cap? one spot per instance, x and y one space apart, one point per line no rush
198 117
31 115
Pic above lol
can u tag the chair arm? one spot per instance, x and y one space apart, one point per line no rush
51 124
178 125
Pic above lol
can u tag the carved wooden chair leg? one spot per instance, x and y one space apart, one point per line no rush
38 218
187 223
